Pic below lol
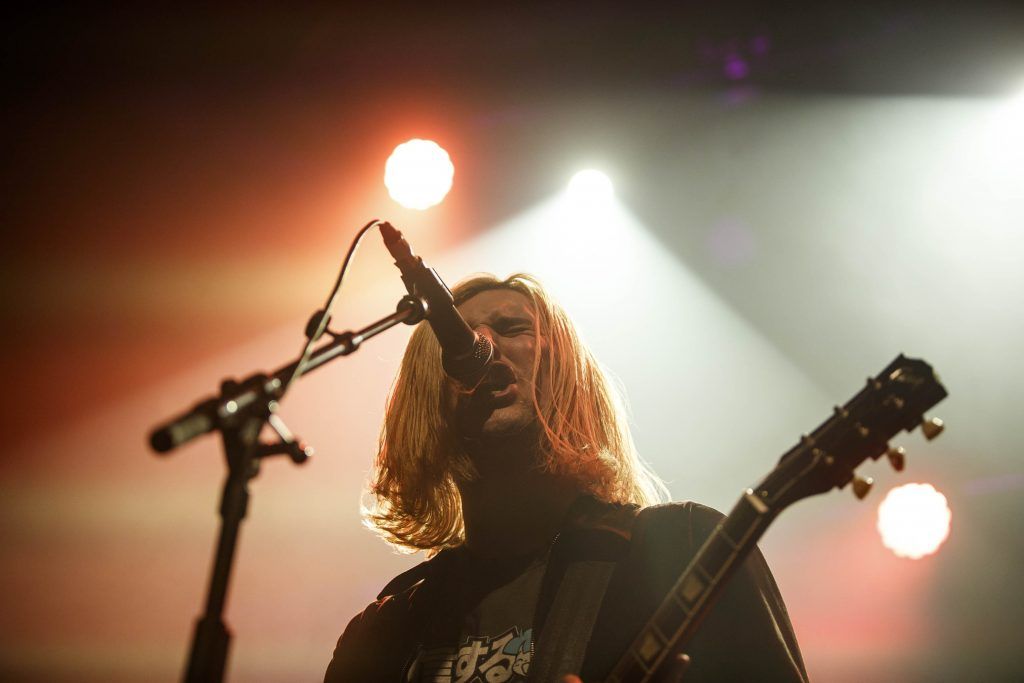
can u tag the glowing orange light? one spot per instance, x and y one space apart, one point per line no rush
418 174
914 520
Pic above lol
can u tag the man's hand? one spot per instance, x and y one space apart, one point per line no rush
571 679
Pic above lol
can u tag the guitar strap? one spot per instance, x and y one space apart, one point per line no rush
570 620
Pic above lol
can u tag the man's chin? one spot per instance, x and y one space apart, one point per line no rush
508 422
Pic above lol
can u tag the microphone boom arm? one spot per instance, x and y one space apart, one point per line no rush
252 394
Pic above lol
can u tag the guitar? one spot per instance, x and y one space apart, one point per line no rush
893 401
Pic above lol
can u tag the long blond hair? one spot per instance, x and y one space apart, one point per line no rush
415 502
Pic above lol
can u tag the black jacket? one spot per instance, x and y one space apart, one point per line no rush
747 636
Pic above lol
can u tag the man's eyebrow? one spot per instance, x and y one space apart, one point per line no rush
507 318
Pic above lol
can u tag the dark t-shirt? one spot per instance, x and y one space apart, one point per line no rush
486 631
746 637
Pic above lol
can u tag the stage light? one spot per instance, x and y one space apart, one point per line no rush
418 174
914 520
591 186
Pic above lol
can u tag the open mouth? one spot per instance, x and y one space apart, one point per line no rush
507 390
499 382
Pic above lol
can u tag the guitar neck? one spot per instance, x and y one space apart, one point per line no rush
690 599
893 401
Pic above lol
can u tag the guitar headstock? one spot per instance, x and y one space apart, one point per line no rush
827 458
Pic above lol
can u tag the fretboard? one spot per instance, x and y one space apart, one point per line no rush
691 598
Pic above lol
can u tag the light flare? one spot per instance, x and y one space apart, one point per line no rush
914 520
419 174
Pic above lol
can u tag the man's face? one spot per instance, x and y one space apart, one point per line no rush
502 404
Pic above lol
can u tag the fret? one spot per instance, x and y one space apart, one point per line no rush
669 616
646 667
723 534
692 586
649 647
749 513
715 555
756 503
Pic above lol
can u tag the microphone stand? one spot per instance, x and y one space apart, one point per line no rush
239 413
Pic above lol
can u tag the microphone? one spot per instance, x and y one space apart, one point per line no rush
465 355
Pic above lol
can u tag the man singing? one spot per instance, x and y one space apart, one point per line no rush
548 553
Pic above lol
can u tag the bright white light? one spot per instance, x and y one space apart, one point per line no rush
418 174
914 520
1007 131
591 186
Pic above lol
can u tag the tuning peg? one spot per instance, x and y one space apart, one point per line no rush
861 486
897 458
932 427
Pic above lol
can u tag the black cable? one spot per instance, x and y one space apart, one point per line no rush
317 324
